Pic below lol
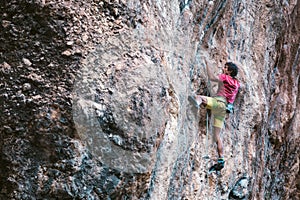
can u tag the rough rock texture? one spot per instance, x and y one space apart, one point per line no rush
93 99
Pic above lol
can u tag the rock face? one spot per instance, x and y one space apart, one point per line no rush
94 99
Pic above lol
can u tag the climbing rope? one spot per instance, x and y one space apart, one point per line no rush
208 127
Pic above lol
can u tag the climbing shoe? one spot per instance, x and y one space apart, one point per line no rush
219 166
194 101
221 163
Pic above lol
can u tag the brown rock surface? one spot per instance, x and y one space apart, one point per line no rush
94 99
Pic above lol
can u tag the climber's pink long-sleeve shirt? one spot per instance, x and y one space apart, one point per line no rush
229 88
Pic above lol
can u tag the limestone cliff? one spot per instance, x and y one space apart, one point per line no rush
94 99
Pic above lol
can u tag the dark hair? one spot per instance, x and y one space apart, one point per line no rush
233 68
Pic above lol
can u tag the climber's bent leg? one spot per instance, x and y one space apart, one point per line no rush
218 140
218 109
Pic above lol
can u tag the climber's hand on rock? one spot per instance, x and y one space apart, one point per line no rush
204 59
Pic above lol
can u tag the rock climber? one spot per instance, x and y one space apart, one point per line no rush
228 87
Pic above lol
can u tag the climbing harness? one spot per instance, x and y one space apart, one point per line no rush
229 108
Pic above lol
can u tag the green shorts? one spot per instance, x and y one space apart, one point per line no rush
217 105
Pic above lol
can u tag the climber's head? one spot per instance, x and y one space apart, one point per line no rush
231 69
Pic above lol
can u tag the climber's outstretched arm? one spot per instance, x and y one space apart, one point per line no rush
242 74
242 79
210 74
